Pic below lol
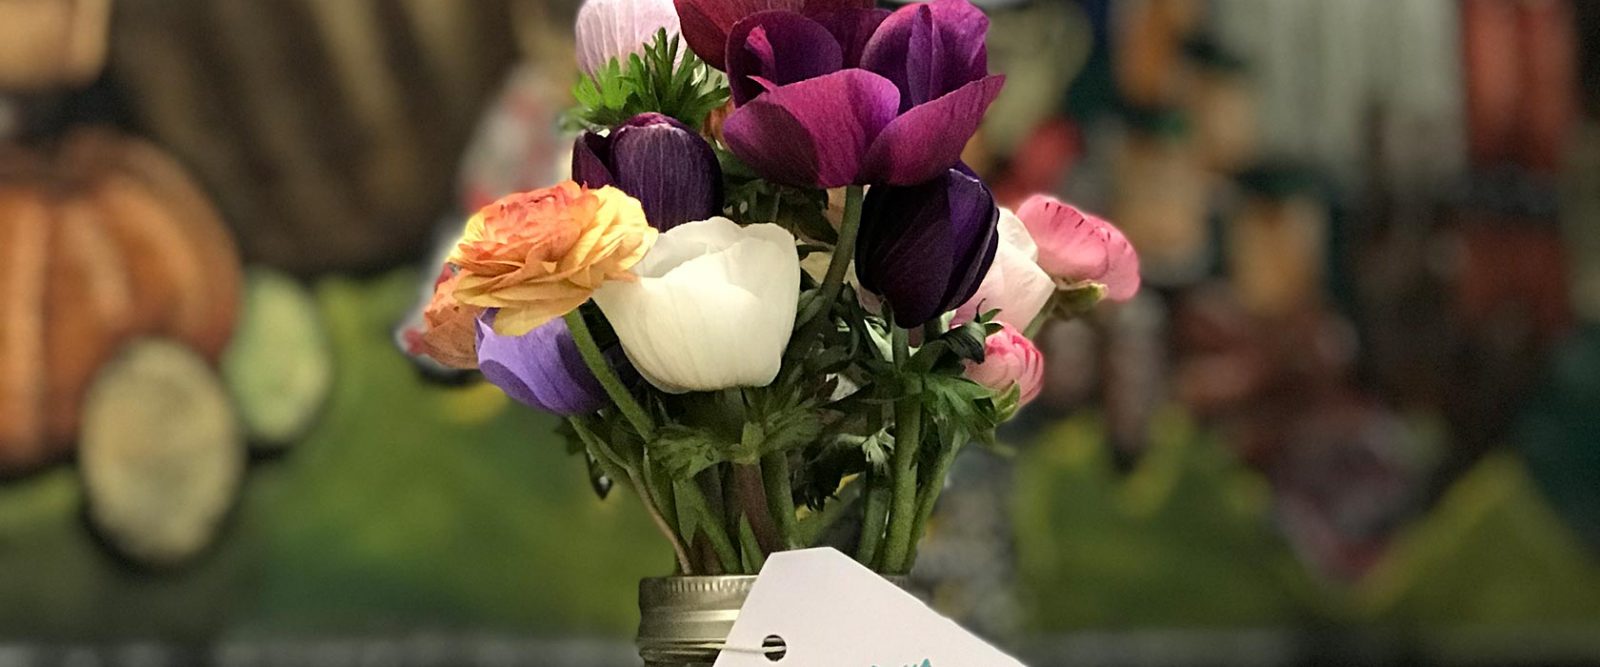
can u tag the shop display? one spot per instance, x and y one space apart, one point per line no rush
798 301
279 367
328 131
1580 209
103 242
1278 242
162 457
1222 101
1149 48
1520 64
52 43
1160 197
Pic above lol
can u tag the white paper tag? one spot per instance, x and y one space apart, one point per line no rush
831 611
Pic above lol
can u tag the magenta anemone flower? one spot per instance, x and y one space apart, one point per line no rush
707 23
855 97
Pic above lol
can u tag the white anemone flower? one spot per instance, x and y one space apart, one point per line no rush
713 308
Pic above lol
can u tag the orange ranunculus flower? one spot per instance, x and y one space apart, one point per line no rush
538 255
449 333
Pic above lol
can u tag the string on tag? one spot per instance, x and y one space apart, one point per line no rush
774 648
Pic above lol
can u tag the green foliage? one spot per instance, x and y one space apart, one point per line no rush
684 451
802 211
768 421
666 79
1184 539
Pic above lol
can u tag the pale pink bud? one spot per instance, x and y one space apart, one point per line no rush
1077 248
1010 359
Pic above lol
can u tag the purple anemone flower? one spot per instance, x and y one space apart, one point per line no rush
668 167
856 96
542 369
926 248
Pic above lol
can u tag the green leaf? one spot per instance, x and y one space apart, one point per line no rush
666 79
684 451
790 430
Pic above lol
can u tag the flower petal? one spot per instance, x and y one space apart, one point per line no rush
779 48
925 248
1010 360
853 29
610 29
928 140
1077 247
1122 279
669 168
974 217
707 23
813 133
675 327
541 369
1015 284
590 155
930 50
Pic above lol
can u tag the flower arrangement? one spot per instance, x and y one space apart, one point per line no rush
772 296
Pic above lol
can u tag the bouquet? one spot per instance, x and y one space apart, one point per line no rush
772 300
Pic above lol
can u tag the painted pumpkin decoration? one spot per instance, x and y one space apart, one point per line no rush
106 240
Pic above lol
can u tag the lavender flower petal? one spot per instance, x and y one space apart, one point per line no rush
541 369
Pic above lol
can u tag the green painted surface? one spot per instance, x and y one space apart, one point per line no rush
409 506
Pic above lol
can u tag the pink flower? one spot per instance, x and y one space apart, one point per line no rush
1077 248
1015 284
1010 360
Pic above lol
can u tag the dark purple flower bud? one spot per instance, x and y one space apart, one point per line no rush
926 248
542 368
663 163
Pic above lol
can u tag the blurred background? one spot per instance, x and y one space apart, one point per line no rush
1353 420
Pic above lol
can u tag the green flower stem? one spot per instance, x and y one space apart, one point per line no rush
645 493
660 484
908 438
1044 316
876 517
691 499
754 554
929 498
596 361
752 500
843 252
780 497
